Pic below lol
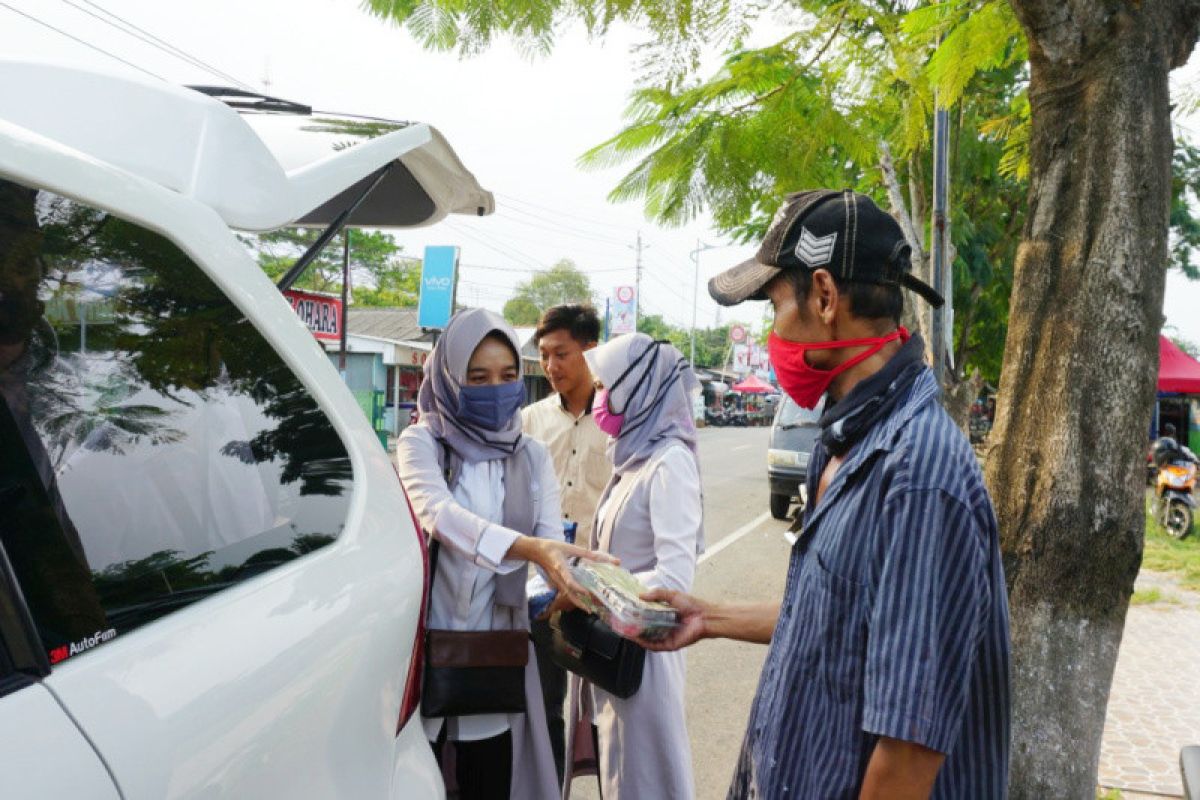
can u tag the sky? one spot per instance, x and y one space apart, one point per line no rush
519 124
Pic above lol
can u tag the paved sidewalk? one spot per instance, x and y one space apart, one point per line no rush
1154 707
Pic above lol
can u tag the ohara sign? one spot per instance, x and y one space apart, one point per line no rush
321 313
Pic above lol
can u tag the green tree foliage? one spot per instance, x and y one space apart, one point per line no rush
1185 344
562 283
712 344
1185 198
380 275
811 109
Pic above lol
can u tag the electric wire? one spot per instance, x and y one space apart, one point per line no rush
559 225
146 37
539 271
89 45
497 247
551 225
511 253
547 241
560 212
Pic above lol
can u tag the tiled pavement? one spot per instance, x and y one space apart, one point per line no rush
1154 707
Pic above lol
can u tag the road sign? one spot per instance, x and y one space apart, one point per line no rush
439 279
737 333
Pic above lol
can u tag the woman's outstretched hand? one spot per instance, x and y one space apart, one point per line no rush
691 620
554 559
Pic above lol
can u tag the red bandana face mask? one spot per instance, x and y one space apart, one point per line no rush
803 383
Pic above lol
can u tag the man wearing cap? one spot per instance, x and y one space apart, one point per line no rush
887 674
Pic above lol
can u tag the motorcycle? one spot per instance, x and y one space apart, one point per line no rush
1174 494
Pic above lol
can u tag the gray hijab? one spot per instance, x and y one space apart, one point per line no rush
652 385
445 374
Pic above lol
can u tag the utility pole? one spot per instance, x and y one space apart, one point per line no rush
700 248
939 243
637 282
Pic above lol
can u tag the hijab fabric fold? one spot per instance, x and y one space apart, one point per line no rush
445 374
651 384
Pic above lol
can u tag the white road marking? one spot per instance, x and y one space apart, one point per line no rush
740 447
733 537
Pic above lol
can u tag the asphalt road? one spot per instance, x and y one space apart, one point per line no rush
745 562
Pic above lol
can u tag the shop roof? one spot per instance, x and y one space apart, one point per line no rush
392 324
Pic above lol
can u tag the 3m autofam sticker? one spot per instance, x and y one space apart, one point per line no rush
86 643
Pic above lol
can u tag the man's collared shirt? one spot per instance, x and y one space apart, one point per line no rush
894 621
579 450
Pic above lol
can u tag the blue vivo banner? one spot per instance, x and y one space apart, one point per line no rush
438 282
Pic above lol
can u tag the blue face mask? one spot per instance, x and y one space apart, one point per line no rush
490 406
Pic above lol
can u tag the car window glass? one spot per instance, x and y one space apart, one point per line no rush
791 414
155 448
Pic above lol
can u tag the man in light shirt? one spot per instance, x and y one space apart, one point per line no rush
563 423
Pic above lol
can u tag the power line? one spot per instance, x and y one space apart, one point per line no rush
541 239
667 286
667 266
560 212
497 248
508 252
551 225
100 50
537 271
148 38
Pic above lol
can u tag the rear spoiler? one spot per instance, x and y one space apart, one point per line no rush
195 144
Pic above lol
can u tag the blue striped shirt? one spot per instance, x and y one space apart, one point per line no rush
894 621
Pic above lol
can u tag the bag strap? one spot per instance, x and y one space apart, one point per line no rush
451 468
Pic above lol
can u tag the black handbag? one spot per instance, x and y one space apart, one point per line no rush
472 672
584 645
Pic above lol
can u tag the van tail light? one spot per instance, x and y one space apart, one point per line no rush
412 684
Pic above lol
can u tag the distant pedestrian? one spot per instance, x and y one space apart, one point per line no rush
563 422
888 672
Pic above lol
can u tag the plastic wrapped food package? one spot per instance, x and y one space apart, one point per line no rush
616 599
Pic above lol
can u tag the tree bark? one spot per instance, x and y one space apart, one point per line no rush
1080 366
912 318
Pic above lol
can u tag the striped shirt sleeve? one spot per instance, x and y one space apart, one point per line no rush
927 620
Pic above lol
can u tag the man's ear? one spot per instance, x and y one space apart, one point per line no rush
824 297
589 346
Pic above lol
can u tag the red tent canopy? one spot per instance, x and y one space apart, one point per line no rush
1177 371
754 385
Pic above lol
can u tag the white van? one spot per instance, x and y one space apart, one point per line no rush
210 580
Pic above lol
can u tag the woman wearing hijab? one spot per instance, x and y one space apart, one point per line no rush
498 512
650 517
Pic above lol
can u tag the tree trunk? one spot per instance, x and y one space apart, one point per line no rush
959 393
1080 366
911 318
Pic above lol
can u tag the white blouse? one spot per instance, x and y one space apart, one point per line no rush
469 524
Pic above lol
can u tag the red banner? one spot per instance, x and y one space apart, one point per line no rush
321 313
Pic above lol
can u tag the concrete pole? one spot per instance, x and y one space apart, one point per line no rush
700 248
939 246
637 283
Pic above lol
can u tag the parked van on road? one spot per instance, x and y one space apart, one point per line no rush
794 434
211 583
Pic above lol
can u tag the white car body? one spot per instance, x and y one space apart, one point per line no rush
289 683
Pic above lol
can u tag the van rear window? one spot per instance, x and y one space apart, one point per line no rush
154 448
